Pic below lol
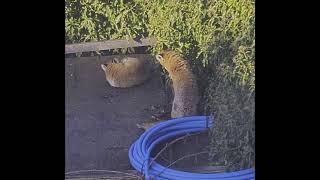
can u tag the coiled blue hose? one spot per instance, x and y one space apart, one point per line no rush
139 153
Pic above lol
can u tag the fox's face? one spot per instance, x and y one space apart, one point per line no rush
171 61
164 58
113 61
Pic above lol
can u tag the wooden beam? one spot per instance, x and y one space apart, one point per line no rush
106 45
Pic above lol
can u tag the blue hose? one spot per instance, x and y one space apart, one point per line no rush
139 153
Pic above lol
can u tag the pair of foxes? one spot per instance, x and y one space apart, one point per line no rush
131 71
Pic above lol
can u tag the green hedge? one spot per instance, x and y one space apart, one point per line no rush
93 20
212 32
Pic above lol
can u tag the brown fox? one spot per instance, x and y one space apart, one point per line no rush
127 72
184 84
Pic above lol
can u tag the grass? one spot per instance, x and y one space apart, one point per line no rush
217 37
233 136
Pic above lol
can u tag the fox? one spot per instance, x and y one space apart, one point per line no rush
185 88
127 72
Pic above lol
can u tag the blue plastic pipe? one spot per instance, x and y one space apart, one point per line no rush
140 150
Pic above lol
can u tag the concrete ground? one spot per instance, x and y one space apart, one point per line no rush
100 120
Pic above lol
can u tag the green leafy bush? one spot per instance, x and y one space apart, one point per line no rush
93 20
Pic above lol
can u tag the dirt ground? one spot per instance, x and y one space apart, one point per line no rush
100 120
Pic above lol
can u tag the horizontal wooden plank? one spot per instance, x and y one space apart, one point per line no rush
127 174
106 45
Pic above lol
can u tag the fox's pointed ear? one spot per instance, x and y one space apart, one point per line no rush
159 57
104 67
115 60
